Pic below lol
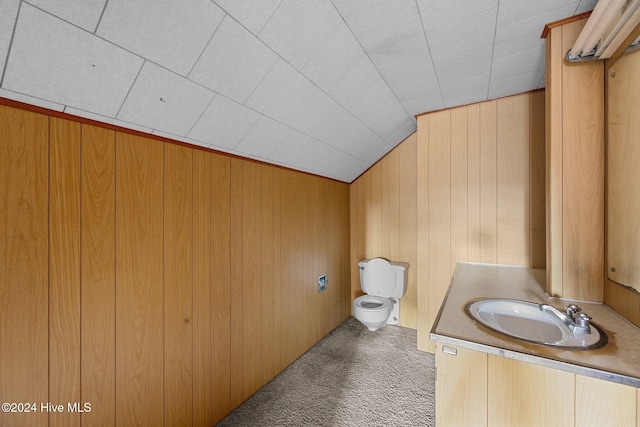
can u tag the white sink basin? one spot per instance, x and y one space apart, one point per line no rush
526 321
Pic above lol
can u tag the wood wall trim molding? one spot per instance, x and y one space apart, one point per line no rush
561 22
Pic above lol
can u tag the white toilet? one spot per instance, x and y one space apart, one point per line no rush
384 283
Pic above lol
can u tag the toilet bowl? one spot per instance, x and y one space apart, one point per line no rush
372 311
384 283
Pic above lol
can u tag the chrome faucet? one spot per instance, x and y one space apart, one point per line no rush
575 319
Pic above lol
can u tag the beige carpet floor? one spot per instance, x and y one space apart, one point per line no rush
352 377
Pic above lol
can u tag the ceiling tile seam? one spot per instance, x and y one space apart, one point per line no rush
104 9
206 45
215 95
433 64
390 25
267 21
13 33
493 50
306 77
259 83
133 83
409 116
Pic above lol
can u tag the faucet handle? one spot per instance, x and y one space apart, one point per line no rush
572 309
582 319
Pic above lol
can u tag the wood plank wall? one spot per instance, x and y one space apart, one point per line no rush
621 96
160 283
468 186
575 170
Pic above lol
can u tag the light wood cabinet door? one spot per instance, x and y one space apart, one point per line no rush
461 387
523 394
603 403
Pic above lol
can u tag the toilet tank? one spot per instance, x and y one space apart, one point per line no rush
388 290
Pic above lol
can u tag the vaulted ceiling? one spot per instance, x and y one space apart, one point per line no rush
322 86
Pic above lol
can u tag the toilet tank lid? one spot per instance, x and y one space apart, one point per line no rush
364 262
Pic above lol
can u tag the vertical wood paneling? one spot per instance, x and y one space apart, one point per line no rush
278 275
473 180
575 171
98 303
236 283
537 227
459 186
408 225
24 241
267 276
64 268
553 162
251 279
203 314
139 281
512 193
297 236
488 182
221 290
422 246
582 176
470 182
178 285
440 188
161 284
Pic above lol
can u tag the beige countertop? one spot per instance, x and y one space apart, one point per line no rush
617 361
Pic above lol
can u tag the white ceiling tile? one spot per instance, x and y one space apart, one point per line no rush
585 6
419 89
335 59
467 98
305 115
264 138
525 34
280 91
336 164
234 62
85 14
171 33
180 138
299 28
459 87
105 119
356 83
163 100
31 100
401 122
409 69
520 83
402 132
365 17
250 13
436 14
516 10
464 48
224 123
8 14
56 61
518 63
396 43
420 106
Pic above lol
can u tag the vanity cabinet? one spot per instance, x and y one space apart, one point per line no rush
479 389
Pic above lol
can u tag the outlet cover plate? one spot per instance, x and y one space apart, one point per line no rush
322 283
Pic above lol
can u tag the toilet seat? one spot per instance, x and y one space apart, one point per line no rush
372 303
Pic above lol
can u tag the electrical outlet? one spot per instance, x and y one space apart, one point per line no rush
322 283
